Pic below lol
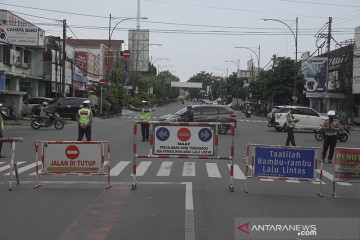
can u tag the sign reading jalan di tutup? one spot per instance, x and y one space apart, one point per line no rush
72 157
184 140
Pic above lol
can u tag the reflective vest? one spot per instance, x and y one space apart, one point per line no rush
145 114
292 122
84 115
2 123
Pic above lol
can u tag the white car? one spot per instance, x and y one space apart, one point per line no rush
30 103
309 119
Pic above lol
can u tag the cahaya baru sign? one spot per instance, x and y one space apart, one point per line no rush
20 35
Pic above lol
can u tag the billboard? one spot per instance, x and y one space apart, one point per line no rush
186 84
356 63
20 35
139 47
316 72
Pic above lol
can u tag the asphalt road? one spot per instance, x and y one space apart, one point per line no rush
175 198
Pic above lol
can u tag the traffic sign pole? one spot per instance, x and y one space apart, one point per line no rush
101 83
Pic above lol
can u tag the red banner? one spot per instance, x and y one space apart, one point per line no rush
347 165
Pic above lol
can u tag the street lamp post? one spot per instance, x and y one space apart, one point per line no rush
226 72
158 59
138 51
257 56
236 63
111 31
296 51
164 67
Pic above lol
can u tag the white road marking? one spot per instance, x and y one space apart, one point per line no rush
189 169
165 169
115 171
238 174
142 168
330 176
8 166
27 167
213 170
189 213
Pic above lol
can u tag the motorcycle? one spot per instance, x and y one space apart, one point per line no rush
55 119
342 135
11 115
248 113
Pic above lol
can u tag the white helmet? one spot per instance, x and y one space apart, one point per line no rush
331 113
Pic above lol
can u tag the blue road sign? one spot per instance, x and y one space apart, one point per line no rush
205 134
284 163
163 134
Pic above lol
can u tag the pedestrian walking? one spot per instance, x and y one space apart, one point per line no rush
145 117
84 119
331 126
290 125
1 130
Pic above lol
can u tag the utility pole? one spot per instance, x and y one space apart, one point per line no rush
329 35
64 58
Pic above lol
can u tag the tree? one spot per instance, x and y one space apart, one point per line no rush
202 77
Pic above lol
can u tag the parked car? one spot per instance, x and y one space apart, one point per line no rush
206 113
31 102
309 119
69 106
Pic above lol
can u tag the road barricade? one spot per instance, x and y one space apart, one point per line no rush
13 162
72 157
346 166
282 163
190 140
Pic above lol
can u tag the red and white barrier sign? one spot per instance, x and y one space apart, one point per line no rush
72 157
62 157
347 165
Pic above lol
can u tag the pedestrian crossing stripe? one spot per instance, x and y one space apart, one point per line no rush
165 170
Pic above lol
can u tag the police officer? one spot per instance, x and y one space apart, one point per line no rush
1 130
145 117
331 126
84 119
290 125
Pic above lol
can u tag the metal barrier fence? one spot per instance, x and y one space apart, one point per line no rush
190 140
72 157
282 163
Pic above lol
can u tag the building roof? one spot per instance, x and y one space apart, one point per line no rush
94 42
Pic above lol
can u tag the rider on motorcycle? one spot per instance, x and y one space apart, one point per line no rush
189 114
43 113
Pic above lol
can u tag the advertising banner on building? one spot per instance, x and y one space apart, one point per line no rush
81 63
14 57
20 35
93 67
316 72
284 163
356 63
2 82
128 79
347 165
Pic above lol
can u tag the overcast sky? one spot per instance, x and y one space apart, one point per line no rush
199 35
